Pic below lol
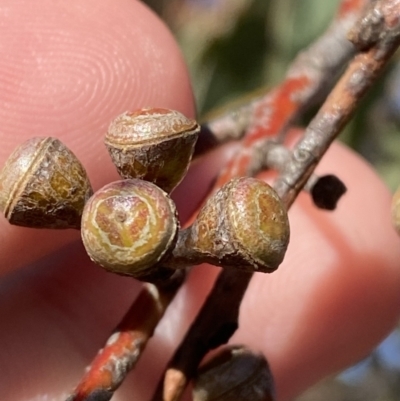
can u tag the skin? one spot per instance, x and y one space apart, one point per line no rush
66 69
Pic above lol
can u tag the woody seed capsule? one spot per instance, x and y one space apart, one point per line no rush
152 144
396 211
244 225
234 374
43 185
128 226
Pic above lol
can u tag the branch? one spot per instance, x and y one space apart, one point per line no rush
344 99
209 330
125 346
309 78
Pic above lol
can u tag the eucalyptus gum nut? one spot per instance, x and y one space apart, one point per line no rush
234 374
396 210
244 225
128 226
152 144
43 185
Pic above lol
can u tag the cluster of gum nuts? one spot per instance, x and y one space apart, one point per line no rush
130 227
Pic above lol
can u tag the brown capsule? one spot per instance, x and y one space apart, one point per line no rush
152 144
396 210
128 226
234 374
43 185
244 225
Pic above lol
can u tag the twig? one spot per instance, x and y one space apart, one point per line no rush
125 345
308 80
205 333
343 100
214 325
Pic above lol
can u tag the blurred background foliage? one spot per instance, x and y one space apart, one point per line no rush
233 47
